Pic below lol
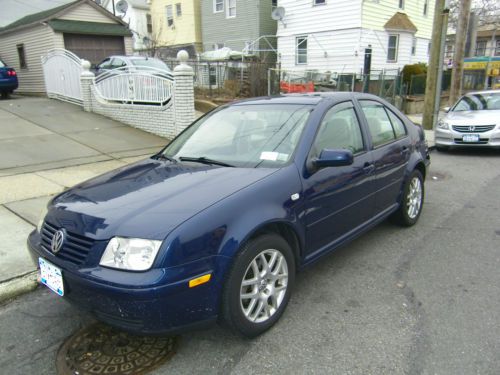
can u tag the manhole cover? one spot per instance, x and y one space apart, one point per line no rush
100 349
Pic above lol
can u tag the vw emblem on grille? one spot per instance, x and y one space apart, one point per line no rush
57 241
472 128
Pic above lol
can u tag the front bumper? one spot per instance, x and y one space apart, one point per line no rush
452 138
157 301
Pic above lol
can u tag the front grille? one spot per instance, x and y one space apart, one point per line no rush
473 128
75 247
482 141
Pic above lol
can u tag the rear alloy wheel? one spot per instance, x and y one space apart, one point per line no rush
259 285
412 202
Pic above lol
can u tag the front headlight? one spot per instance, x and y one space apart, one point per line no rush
42 218
443 124
134 254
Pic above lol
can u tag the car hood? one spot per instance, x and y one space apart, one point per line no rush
488 117
147 199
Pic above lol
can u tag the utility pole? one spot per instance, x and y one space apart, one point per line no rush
432 91
458 56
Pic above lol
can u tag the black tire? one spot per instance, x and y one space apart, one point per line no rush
5 95
402 215
232 309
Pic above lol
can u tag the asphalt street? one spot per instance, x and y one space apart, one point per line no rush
423 300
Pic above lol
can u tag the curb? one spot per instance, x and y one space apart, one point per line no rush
18 286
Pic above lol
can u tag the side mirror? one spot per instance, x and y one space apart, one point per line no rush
333 158
446 109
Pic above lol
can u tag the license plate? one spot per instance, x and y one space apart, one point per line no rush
51 276
470 138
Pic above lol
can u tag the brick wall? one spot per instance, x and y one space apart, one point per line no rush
167 120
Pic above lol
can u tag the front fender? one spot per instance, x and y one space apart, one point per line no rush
222 228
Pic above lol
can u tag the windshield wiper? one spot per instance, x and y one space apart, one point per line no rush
165 157
204 160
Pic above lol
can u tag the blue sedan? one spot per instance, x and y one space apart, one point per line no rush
216 226
8 80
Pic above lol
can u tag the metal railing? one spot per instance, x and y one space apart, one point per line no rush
148 86
385 84
61 71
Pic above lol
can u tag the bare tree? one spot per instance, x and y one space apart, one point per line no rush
487 11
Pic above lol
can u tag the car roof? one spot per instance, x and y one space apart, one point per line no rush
483 92
133 57
306 98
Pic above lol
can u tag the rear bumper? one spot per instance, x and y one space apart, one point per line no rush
8 85
158 301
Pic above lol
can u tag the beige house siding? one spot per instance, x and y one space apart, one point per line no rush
37 41
86 12
129 45
376 14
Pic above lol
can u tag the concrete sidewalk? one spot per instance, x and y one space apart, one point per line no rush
47 146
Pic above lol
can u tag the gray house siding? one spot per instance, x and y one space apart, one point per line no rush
253 19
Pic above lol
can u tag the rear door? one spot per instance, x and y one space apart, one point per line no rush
338 199
391 152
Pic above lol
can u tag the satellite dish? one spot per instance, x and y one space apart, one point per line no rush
121 6
278 14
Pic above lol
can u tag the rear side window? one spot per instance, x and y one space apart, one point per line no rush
339 130
2 65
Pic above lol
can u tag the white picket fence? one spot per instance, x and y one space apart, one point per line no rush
147 86
61 71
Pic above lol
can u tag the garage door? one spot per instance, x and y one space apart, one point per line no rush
94 47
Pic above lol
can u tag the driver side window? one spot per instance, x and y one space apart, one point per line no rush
339 130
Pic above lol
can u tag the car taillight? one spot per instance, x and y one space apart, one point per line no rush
11 73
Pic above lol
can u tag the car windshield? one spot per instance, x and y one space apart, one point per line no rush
150 63
478 102
243 136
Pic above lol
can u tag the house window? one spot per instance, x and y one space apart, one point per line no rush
426 4
319 2
449 51
401 4
392 48
414 46
22 56
149 23
170 16
481 48
218 6
274 3
301 50
231 9
178 9
497 48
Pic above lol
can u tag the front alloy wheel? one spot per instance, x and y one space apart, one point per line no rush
263 287
258 285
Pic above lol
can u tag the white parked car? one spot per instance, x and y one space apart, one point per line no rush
473 121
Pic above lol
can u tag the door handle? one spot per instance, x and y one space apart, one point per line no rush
368 167
404 150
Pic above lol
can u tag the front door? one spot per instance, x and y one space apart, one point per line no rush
338 199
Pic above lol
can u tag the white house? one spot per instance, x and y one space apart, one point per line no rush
331 35
137 15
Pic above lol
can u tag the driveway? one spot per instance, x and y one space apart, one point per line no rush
45 147
39 133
